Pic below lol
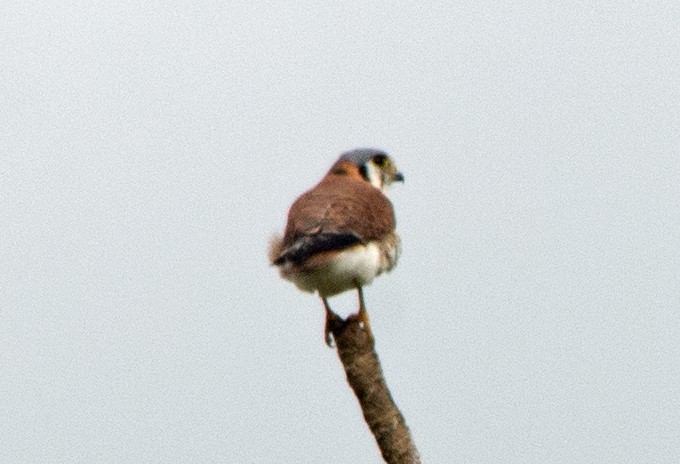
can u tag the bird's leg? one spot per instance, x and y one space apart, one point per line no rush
331 318
362 315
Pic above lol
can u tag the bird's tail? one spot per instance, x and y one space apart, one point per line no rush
275 248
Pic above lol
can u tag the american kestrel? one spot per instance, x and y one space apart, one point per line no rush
341 234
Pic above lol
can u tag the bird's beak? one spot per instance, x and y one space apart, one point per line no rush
398 177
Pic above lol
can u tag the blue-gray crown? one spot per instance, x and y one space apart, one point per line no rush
361 156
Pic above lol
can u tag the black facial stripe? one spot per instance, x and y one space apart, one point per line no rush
363 170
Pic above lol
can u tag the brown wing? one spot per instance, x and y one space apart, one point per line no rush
338 212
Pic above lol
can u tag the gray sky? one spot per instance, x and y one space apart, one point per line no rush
149 151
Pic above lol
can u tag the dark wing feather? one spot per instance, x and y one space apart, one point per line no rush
338 212
308 245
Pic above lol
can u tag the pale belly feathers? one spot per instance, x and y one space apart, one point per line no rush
357 265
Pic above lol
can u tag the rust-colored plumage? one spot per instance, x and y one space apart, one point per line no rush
340 211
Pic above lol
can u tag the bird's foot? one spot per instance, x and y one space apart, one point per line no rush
362 318
332 320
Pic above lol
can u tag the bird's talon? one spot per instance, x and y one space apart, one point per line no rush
328 338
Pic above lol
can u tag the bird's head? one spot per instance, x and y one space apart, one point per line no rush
371 165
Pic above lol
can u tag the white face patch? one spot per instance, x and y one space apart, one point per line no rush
374 175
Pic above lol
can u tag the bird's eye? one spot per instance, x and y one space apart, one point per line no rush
380 160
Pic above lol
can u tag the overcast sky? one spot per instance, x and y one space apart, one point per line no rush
150 149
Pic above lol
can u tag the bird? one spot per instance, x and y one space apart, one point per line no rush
341 234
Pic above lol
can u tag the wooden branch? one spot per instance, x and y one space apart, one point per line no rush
356 350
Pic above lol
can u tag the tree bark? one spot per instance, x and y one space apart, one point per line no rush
356 349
